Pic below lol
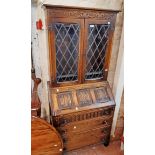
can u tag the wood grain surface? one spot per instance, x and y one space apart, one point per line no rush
45 140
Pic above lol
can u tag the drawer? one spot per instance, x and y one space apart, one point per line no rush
94 136
82 126
62 120
95 132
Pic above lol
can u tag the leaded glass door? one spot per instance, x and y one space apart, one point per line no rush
97 36
66 49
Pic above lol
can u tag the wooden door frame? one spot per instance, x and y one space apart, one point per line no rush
52 50
108 49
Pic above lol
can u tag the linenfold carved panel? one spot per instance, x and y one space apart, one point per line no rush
74 13
65 100
101 95
84 97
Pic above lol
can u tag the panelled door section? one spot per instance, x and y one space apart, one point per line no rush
96 43
66 49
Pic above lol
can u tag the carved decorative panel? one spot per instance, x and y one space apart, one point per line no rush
84 97
85 116
101 95
65 100
79 13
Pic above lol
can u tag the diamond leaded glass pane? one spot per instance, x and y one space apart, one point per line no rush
66 41
95 54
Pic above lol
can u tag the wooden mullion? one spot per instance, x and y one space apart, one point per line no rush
81 50
85 42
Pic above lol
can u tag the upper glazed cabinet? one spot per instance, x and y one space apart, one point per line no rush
80 43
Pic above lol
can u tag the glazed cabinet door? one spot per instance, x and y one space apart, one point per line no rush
66 46
98 35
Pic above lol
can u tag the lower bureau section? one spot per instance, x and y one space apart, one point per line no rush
94 136
83 126
82 113
92 127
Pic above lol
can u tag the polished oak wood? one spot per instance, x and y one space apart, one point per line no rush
45 140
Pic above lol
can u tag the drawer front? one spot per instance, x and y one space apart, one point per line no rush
62 120
82 126
77 140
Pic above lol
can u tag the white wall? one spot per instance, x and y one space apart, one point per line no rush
100 4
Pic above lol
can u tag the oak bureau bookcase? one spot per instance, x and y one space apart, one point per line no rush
81 102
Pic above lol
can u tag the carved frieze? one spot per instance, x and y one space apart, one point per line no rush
79 13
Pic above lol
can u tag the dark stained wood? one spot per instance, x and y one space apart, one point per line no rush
35 101
45 140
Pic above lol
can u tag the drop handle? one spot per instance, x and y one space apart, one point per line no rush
104 122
